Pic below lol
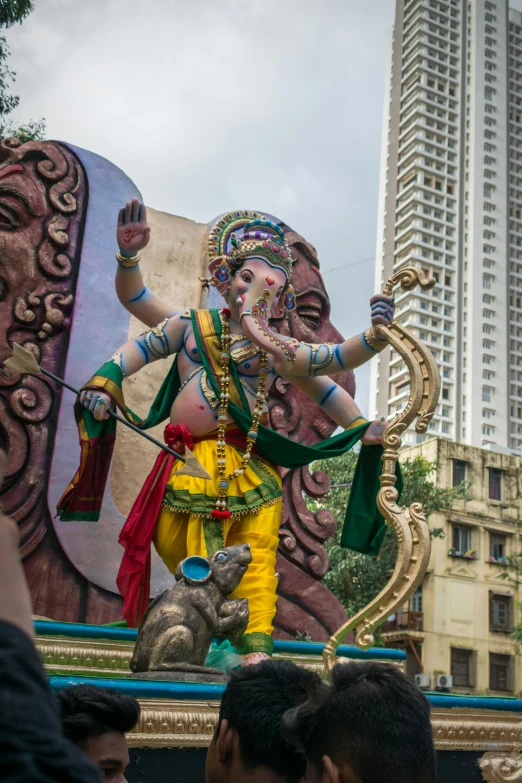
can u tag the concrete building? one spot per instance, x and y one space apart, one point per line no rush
459 621
451 201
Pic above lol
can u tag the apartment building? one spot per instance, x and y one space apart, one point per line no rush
451 201
459 622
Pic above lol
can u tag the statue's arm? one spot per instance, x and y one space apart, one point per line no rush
132 235
161 341
296 359
339 405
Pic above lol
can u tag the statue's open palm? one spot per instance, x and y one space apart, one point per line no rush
132 233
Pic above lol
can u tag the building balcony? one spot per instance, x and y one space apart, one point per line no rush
471 554
497 561
404 621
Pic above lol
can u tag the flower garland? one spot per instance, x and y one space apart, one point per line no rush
221 511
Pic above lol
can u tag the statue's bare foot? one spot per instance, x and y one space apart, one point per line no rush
256 657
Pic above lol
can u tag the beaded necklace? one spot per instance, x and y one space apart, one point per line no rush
221 511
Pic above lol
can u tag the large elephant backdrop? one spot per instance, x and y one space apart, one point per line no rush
58 206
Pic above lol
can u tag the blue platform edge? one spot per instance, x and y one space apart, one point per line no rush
185 691
81 631
181 691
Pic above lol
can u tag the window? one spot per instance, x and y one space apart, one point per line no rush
497 547
500 667
459 472
461 667
500 612
461 539
486 394
495 484
416 600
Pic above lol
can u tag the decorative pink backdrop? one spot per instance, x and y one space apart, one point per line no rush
57 298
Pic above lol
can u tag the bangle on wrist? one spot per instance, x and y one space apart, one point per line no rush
246 312
372 341
127 262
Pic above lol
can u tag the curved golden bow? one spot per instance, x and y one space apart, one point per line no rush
410 525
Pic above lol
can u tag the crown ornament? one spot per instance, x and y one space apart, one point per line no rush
247 234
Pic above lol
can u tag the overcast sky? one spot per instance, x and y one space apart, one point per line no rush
211 105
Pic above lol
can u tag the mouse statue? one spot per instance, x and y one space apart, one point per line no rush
179 626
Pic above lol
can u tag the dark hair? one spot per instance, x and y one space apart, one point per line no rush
254 702
88 711
371 717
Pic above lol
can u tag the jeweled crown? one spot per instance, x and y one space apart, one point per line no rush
260 237
263 238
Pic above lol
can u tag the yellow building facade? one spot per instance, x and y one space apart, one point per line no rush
459 622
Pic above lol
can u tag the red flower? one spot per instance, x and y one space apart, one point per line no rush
226 312
177 436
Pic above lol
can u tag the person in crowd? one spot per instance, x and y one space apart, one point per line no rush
372 725
97 720
247 744
32 746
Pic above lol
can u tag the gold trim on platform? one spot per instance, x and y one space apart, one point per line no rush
460 729
111 659
182 724
174 724
96 659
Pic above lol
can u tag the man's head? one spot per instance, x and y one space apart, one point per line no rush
371 726
97 719
248 737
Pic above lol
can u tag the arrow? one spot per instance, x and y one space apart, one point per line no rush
23 361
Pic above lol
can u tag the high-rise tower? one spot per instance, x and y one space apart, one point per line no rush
451 201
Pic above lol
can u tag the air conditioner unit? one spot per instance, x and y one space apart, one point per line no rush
444 682
423 681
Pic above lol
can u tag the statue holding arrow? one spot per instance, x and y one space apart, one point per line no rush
214 398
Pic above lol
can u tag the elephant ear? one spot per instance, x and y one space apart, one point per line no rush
220 271
195 570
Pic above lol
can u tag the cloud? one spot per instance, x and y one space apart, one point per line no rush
217 104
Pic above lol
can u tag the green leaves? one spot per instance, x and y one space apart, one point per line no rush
33 131
12 11
354 578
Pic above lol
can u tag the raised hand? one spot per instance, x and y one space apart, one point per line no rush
374 433
97 403
383 309
132 233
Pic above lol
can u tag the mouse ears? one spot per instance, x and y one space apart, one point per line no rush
196 570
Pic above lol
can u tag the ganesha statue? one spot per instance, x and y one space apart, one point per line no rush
214 400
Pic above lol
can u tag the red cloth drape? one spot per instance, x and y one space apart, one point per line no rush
133 578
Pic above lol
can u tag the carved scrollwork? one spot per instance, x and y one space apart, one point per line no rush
410 526
501 767
39 282
302 558
409 277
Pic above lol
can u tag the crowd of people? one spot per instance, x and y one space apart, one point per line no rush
278 722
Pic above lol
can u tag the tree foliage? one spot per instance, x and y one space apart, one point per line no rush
354 578
11 12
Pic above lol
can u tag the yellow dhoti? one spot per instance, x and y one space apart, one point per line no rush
184 528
